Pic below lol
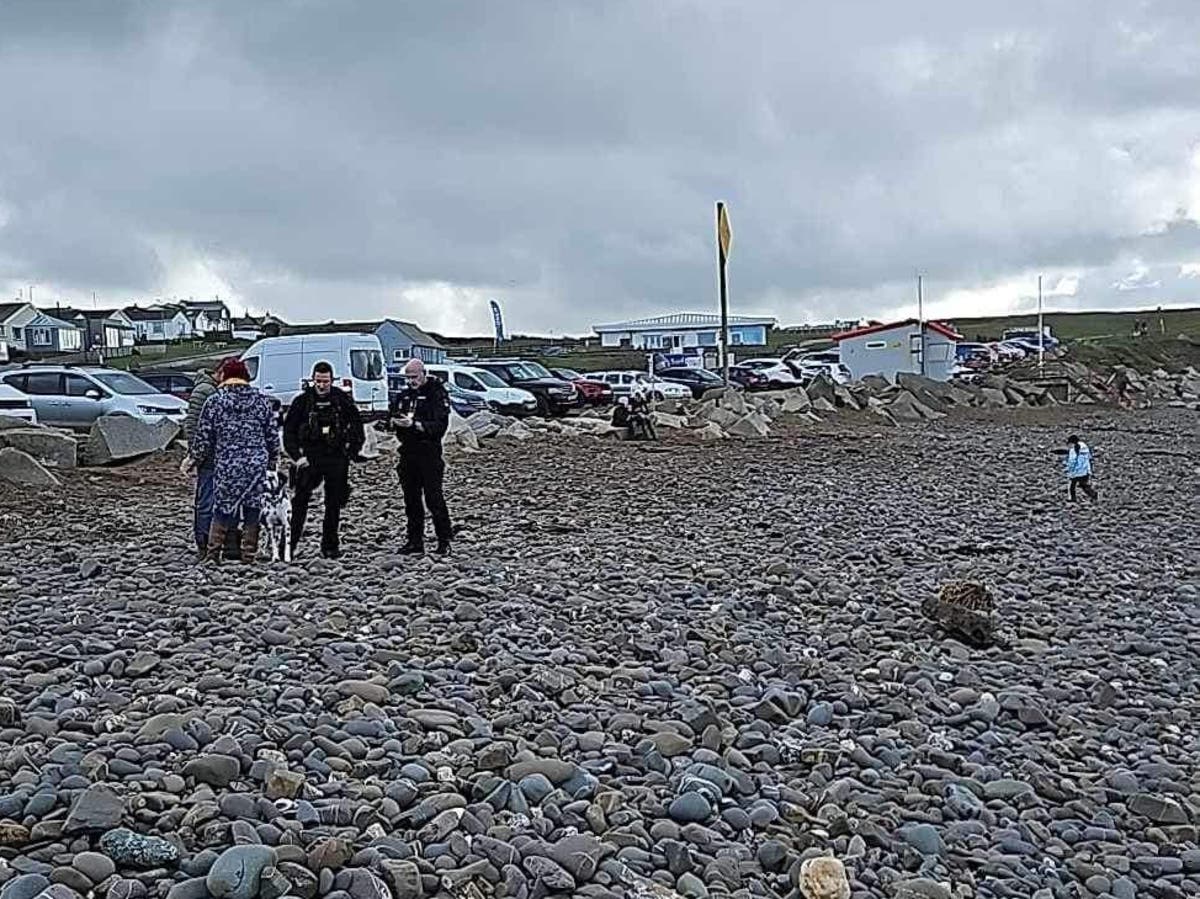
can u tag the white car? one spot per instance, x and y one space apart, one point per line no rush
834 371
487 386
777 372
623 383
14 404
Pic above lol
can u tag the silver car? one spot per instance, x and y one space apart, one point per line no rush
68 396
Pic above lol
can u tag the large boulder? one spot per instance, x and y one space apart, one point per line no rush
734 401
119 438
993 397
710 432
515 431
17 467
53 448
796 401
723 417
460 433
843 397
11 421
876 383
821 388
666 420
904 406
750 425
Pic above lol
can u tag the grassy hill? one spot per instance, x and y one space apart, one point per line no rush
1097 338
1088 325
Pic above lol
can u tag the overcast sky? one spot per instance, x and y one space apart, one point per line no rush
339 159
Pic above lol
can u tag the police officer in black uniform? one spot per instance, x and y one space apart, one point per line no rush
419 416
323 433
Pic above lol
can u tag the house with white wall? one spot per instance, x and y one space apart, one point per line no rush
159 324
684 329
14 318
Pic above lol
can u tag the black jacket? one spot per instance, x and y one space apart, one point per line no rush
306 419
429 405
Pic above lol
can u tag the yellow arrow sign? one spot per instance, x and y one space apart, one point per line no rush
724 232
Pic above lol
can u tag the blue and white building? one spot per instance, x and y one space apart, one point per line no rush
685 329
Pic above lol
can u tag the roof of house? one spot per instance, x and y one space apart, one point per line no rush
8 310
415 335
939 327
247 321
67 312
49 321
684 320
150 313
205 306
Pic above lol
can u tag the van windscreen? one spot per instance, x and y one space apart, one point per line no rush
366 365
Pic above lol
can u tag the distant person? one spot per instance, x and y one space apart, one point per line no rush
323 433
420 415
238 436
1079 468
205 386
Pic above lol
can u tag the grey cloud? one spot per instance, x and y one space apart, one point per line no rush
568 154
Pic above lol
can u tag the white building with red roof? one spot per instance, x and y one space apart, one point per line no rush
904 346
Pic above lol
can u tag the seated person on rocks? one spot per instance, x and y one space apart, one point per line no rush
634 415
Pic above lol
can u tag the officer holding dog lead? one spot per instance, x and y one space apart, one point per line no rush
323 433
420 416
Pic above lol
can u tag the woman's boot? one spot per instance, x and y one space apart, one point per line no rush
249 543
216 540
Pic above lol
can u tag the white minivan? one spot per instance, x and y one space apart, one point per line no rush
498 395
281 366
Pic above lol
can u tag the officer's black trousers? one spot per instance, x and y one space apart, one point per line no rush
335 473
421 476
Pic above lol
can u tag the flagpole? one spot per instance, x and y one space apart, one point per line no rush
1041 331
921 321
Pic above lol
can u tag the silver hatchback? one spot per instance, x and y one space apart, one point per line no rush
67 396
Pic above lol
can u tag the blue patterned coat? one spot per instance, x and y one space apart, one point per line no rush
238 433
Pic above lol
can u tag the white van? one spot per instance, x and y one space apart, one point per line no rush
498 395
281 366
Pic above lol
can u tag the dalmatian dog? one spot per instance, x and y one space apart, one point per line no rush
277 514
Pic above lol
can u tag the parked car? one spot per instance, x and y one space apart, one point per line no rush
623 383
778 372
1014 350
803 355
496 394
593 391
1029 345
1030 336
700 381
749 378
834 371
14 404
281 366
172 382
67 396
553 396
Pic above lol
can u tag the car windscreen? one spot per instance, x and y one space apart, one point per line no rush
487 379
568 374
125 384
539 371
366 365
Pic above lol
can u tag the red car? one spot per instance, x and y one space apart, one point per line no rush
593 393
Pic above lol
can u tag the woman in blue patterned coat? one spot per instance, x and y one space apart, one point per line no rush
238 432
